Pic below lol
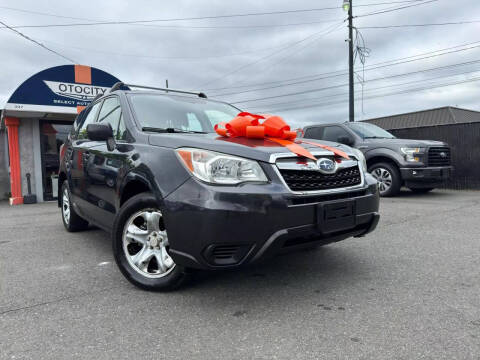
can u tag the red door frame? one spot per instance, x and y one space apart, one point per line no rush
12 124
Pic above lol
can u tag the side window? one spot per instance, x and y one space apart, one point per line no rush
314 133
89 119
332 133
122 130
76 124
111 113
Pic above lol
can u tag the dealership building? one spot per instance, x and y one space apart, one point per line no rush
34 124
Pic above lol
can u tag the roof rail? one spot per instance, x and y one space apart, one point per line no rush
118 85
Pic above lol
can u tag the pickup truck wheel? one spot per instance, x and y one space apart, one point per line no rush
71 220
388 178
421 190
140 246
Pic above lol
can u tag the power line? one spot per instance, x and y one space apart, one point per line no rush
92 22
298 49
420 25
386 86
320 33
393 76
377 67
321 76
121 22
395 9
37 43
383 95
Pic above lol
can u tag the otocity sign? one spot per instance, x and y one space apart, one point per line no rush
60 89
75 91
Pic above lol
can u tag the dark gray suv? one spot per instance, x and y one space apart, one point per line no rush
420 165
148 167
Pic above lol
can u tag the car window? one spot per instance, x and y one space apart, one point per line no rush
369 131
314 133
332 133
77 123
89 119
216 116
122 130
179 112
193 122
110 114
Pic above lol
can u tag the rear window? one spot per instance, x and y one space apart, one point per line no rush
178 112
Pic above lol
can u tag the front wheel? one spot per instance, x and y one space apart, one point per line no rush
141 246
71 220
388 177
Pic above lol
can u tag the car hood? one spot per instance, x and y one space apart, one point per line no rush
405 142
256 149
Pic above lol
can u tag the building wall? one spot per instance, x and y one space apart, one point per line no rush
27 153
4 175
464 141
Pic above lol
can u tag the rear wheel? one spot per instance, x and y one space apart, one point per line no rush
388 177
71 220
141 246
421 190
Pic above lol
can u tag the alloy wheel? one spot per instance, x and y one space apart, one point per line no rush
384 178
145 244
66 206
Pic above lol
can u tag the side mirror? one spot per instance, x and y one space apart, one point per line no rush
101 132
345 140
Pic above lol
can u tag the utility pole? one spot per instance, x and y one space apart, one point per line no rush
347 4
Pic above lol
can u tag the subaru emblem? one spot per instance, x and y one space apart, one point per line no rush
326 165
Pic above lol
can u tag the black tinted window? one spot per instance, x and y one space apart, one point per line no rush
314 133
332 133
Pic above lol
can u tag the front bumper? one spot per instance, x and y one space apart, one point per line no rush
212 227
425 176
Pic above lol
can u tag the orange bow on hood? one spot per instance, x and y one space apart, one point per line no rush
273 128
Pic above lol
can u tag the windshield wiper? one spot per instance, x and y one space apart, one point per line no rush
376 137
171 130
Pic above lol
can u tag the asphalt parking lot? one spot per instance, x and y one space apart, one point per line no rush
410 290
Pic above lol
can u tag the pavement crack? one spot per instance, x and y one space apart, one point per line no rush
76 296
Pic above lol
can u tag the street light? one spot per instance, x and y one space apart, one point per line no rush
346 5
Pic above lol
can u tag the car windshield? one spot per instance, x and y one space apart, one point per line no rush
179 113
370 131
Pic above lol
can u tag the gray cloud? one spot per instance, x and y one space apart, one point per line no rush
136 53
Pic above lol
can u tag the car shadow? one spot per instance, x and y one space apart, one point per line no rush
434 194
321 270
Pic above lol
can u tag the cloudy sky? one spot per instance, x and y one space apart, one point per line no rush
292 64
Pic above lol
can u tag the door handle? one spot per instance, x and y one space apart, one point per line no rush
86 156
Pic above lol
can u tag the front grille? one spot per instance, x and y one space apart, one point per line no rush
439 156
308 180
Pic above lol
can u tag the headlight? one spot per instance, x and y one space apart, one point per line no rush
217 168
411 154
360 157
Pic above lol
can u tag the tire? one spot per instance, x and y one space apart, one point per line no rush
138 243
388 176
421 190
71 220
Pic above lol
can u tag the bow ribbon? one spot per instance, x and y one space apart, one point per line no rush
273 128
